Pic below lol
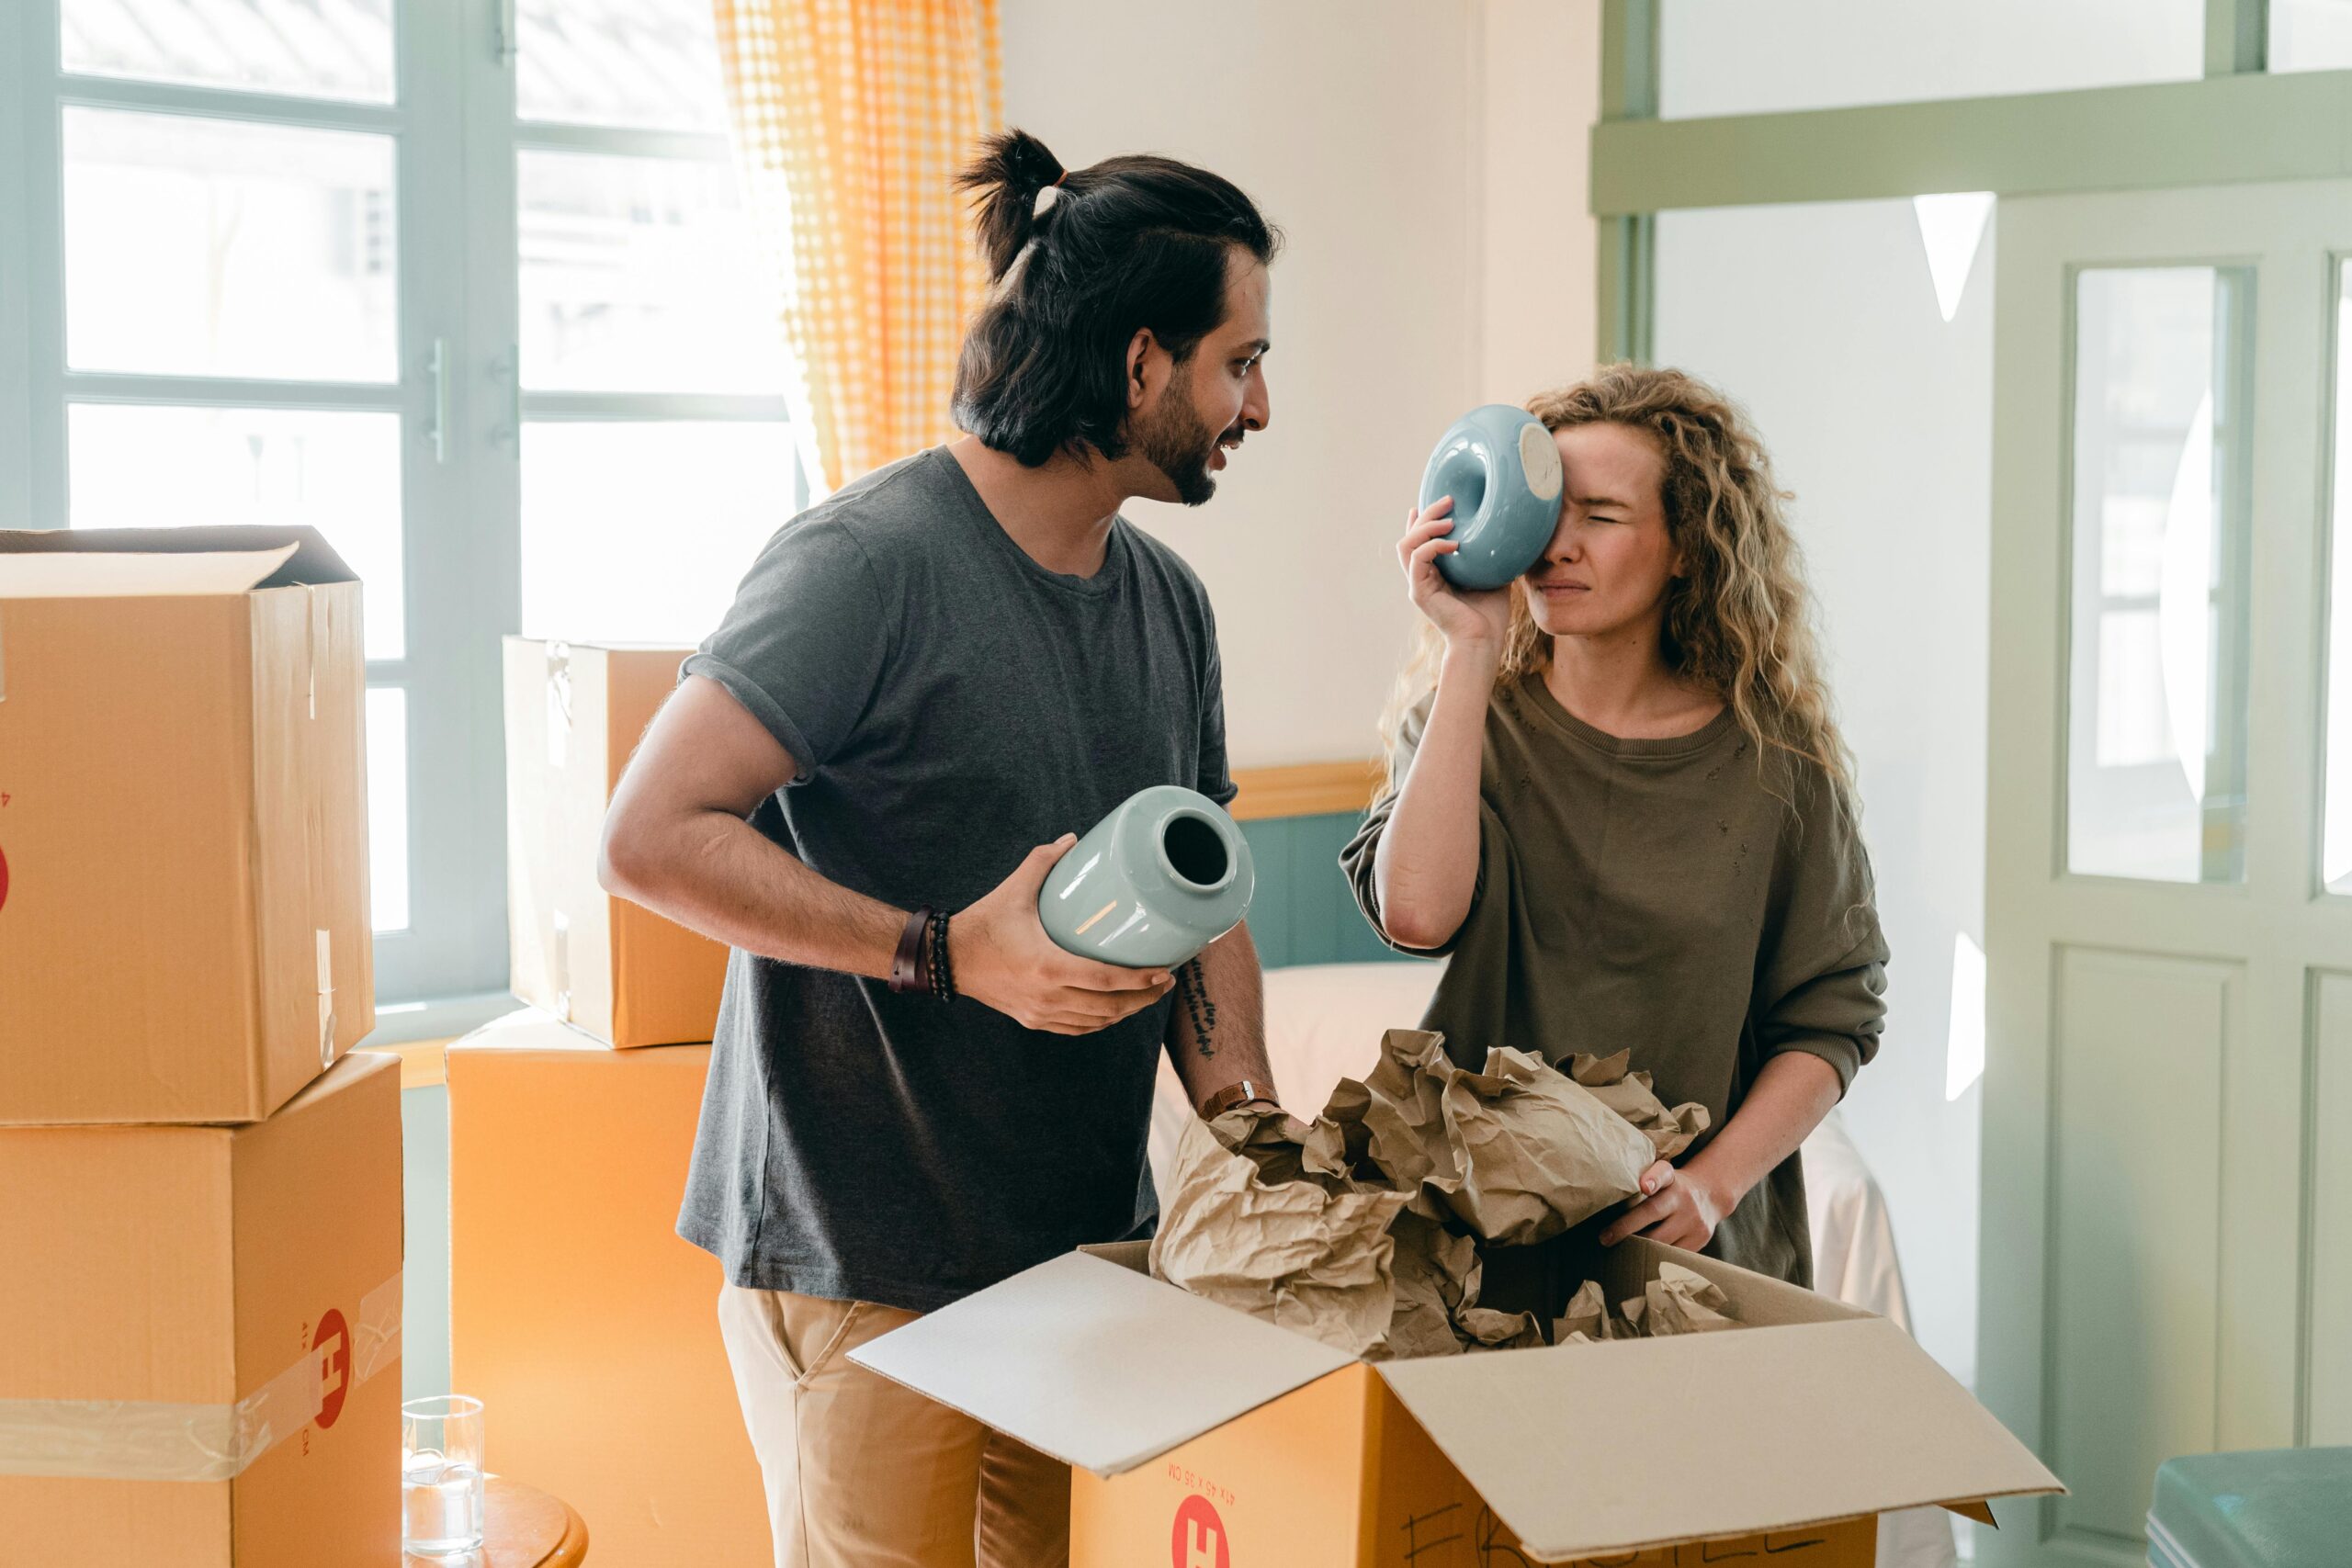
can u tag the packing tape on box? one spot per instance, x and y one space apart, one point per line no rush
140 1439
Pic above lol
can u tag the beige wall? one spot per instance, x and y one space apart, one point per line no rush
1541 94
1426 159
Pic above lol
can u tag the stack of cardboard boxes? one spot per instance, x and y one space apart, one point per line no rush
585 1326
201 1235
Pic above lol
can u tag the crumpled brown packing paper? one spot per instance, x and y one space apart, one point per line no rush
1680 1301
1519 1152
1352 1233
1436 1275
1437 1312
1683 1301
1633 1096
1587 1317
1286 1250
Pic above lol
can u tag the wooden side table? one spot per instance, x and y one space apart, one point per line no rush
521 1528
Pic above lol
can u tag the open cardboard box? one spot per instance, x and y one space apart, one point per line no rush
1200 1436
575 711
184 926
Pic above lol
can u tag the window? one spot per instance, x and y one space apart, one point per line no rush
467 287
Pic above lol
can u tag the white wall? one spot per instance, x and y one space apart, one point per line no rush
1422 244
1823 321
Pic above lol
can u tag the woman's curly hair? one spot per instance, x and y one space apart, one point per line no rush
1739 622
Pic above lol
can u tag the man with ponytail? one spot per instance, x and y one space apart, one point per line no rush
927 685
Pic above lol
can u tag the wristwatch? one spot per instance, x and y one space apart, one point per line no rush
1231 1094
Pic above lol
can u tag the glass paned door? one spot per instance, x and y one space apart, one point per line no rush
2168 1219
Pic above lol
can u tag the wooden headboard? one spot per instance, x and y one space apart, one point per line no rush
1306 789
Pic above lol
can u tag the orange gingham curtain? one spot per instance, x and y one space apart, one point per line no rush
850 119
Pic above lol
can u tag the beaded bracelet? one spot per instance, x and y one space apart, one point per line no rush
943 968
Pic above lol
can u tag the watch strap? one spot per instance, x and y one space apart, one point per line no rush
1234 1094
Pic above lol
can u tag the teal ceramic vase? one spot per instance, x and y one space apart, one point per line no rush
1502 469
1152 883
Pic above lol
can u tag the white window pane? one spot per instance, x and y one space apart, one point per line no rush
640 532
2310 34
2156 746
329 48
2131 546
2132 728
641 275
644 62
134 467
388 806
1719 57
2335 848
207 247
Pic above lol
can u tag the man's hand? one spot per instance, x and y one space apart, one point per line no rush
1003 956
1683 1208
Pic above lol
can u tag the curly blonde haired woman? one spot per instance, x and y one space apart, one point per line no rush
1617 799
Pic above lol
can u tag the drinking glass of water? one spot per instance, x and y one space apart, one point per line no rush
441 1481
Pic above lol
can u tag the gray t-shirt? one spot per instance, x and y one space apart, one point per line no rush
951 704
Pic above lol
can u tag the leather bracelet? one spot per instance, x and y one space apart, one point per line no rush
906 962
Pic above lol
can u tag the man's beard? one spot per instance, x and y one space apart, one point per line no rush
1177 441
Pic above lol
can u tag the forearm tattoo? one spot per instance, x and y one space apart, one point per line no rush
1197 1006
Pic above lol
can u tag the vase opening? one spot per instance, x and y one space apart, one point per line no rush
1195 850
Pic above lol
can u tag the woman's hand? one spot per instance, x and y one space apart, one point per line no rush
1469 618
1683 1208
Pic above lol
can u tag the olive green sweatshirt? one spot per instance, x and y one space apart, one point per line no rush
1664 895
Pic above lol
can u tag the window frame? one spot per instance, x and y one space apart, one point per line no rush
457 141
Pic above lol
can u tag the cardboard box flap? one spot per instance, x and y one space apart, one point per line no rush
1095 1364
57 563
1791 1425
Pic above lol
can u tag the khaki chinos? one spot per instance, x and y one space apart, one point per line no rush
864 1474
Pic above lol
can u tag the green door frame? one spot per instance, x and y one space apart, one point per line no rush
2238 123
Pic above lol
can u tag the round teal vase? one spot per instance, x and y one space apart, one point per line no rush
1502 469
1152 883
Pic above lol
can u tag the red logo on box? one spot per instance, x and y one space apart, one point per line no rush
335 1365
4 881
1198 1539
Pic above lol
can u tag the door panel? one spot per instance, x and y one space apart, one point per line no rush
2134 1226
2328 1320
